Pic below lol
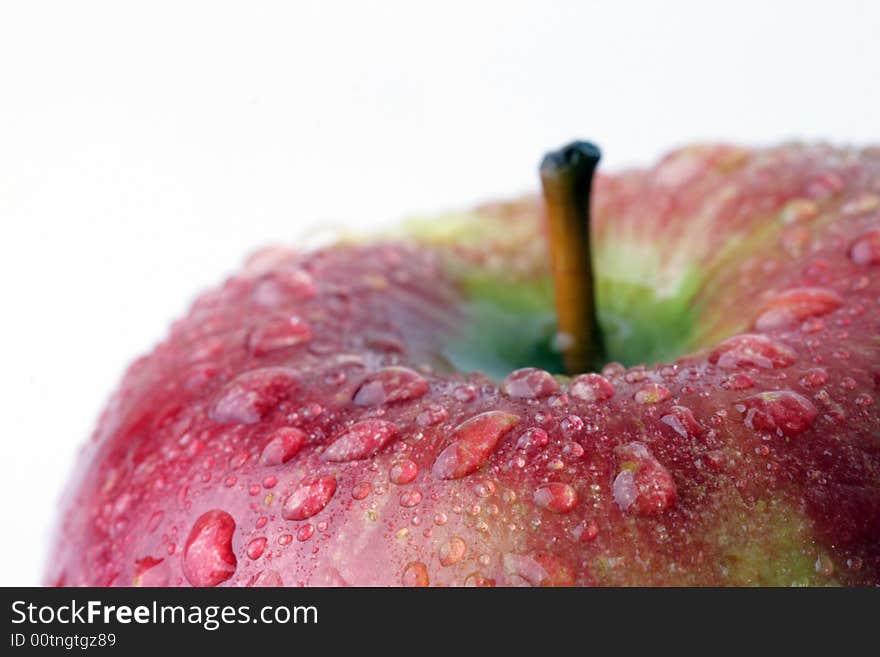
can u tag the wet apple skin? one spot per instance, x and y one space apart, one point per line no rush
304 423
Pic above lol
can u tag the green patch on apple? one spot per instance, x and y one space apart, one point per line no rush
507 326
764 545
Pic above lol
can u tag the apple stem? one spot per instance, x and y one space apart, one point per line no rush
567 177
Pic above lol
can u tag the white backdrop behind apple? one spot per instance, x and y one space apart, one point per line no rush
144 152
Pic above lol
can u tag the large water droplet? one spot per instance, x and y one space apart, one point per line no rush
403 472
473 441
556 497
279 333
642 485
284 443
361 490
683 422
652 393
415 574
780 411
252 395
529 383
813 378
208 558
309 498
256 547
533 438
752 350
410 498
591 388
452 551
361 440
391 384
796 305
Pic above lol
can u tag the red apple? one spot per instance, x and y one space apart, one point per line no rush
321 418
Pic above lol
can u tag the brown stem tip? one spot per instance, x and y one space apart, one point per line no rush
567 177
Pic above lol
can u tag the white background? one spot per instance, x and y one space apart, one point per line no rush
144 151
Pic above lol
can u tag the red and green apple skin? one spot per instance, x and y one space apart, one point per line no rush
321 418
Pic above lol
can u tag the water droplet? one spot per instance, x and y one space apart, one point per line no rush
539 569
683 422
572 450
556 497
415 574
796 305
283 287
824 565
636 375
361 440
586 531
737 381
465 393
285 539
279 333
266 579
780 410
309 498
251 396
240 458
256 547
533 438
652 393
440 519
864 399
473 441
478 580
866 249
452 551
410 498
751 350
572 426
642 485
391 384
591 388
361 490
305 532
208 558
529 383
284 443
433 414
403 472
